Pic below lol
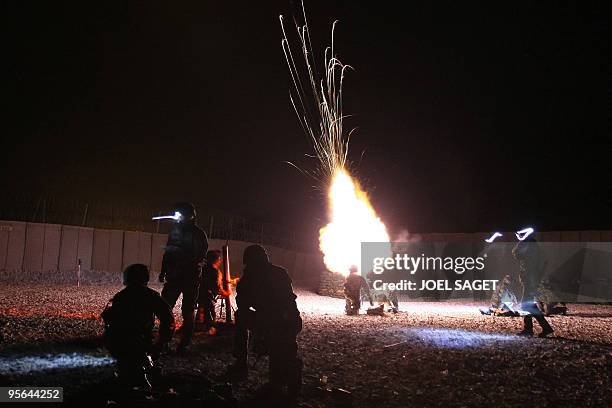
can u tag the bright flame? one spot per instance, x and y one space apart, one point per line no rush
353 221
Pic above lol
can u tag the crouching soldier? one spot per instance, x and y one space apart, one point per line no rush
129 319
267 308
352 291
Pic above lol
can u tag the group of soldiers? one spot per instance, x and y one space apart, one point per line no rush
535 299
269 317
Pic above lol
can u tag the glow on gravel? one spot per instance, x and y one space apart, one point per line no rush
31 364
455 338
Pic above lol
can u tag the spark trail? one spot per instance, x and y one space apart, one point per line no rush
317 102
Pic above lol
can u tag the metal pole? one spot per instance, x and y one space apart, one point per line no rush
85 214
79 273
226 279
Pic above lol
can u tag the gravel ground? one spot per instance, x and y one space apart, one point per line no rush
429 354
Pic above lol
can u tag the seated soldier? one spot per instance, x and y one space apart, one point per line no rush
129 319
211 286
352 291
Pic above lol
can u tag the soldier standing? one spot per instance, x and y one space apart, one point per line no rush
527 253
352 291
182 266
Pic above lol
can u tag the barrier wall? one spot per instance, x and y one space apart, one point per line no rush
52 248
57 249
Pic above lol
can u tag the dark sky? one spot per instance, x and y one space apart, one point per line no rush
469 117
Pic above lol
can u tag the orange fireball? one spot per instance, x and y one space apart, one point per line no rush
352 221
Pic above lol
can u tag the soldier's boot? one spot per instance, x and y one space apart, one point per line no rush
546 328
527 327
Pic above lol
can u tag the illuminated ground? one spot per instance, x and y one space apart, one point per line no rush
431 354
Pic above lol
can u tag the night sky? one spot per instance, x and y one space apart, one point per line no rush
470 118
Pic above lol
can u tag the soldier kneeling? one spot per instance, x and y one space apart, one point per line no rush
129 319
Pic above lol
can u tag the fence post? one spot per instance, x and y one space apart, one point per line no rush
78 271
85 214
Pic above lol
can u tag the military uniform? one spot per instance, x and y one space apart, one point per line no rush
266 307
181 271
527 253
129 319
352 292
211 285
505 293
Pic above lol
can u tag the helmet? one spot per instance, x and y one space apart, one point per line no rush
255 255
136 274
186 209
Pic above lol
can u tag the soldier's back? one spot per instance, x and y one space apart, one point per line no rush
133 309
353 283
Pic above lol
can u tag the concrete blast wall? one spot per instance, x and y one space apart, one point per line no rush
27 248
51 249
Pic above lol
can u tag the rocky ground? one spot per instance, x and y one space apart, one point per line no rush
429 354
